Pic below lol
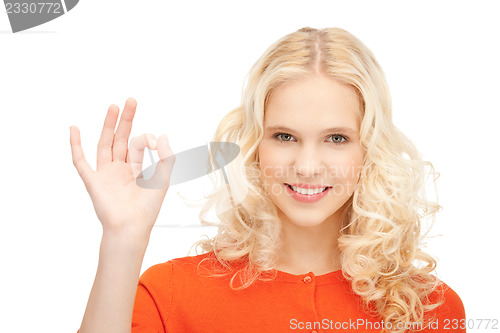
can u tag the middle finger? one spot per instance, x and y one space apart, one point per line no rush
120 140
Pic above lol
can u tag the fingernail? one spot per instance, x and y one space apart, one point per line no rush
154 142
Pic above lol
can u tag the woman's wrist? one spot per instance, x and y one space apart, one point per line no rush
126 238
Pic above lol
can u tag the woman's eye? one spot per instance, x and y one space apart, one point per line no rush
337 138
285 137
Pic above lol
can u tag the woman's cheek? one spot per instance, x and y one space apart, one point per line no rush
345 177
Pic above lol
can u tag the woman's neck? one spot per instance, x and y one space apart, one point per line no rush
310 249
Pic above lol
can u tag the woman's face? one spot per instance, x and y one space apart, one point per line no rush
309 151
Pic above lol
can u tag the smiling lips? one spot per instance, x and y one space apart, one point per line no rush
307 195
308 189
307 186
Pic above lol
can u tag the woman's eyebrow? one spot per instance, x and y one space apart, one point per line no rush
328 130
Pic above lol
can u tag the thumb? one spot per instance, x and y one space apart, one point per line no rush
79 161
165 165
163 169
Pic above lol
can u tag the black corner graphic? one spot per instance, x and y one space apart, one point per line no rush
24 14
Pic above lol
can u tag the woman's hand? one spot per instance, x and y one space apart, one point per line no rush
120 204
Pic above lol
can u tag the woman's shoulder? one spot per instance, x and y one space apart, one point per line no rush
187 269
181 265
451 307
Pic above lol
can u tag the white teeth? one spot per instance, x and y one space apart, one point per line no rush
308 191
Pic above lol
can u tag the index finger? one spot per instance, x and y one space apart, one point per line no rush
104 147
135 153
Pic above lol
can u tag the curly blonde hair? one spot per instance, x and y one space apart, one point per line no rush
381 226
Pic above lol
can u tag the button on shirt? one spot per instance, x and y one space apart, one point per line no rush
175 297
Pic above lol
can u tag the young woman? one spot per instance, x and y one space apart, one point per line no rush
328 234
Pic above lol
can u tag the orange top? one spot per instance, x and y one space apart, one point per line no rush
173 297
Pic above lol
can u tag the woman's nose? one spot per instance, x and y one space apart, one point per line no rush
309 162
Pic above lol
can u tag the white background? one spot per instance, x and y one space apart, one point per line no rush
185 62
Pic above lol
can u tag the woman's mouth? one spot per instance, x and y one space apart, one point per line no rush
307 195
308 191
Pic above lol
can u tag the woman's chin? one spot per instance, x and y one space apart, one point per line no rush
305 219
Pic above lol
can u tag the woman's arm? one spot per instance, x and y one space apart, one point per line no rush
126 211
111 300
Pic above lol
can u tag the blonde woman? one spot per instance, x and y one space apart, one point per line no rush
328 234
